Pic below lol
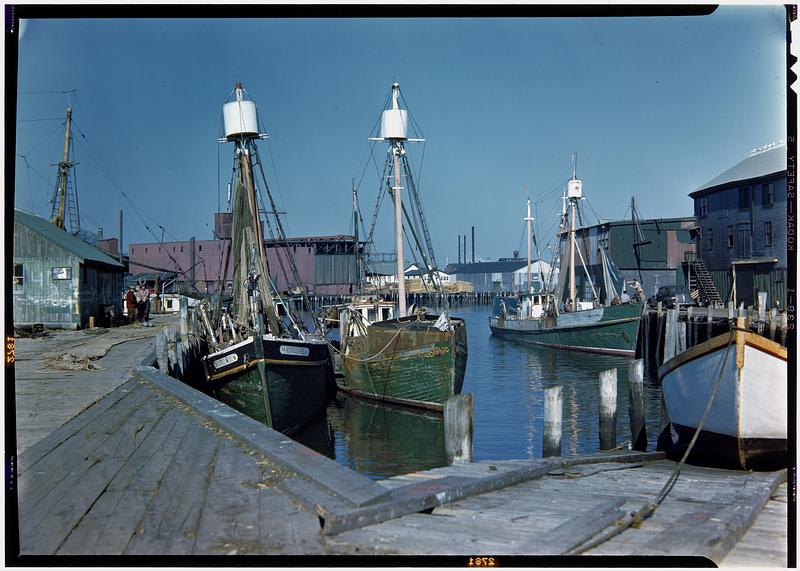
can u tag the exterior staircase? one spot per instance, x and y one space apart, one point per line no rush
700 281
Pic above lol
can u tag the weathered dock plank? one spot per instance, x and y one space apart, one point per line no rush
568 507
765 543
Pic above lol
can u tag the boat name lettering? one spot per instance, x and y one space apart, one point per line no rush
226 360
290 350
437 351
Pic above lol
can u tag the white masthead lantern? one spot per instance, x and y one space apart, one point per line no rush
575 188
240 117
394 121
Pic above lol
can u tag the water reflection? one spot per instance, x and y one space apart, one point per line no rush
507 381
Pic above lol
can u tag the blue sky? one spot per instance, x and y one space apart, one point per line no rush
654 107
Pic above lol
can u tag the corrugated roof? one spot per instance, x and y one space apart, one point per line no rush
755 166
64 239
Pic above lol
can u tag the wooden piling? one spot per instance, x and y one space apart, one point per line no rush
553 413
646 339
636 405
690 341
681 336
709 323
659 330
773 320
608 409
458 412
670 335
162 357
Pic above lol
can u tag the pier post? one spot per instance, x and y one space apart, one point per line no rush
709 323
553 413
608 409
458 411
762 311
670 336
162 357
659 331
646 339
681 336
636 405
773 319
690 337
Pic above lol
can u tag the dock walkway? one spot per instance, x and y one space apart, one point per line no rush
156 468
60 374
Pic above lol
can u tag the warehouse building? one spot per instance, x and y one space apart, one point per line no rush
60 281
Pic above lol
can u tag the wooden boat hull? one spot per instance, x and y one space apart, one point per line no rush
406 361
747 423
609 330
298 383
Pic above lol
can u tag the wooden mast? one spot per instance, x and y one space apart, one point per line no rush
63 171
528 219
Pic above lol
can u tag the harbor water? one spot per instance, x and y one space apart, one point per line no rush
507 381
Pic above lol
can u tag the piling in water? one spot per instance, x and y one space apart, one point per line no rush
553 412
636 405
608 409
458 412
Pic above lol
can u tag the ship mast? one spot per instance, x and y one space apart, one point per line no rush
528 219
61 193
574 193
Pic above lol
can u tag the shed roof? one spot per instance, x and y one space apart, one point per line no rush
755 166
64 239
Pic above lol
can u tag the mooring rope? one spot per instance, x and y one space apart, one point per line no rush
379 353
635 519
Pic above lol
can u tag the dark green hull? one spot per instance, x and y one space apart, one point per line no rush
609 330
407 361
296 387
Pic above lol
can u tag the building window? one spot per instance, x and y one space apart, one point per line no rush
159 249
710 239
200 248
145 250
702 206
181 249
131 249
745 198
768 194
18 277
61 273
768 233
173 249
730 237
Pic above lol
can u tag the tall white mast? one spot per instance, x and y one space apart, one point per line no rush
574 193
528 219
394 128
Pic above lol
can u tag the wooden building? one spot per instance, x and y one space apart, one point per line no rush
741 222
58 280
652 251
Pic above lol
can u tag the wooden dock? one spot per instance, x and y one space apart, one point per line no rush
116 458
157 468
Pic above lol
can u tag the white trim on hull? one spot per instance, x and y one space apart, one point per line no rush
750 406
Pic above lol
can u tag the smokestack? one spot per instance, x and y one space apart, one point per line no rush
459 248
100 233
121 250
473 244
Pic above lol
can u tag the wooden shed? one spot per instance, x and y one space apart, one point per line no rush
58 280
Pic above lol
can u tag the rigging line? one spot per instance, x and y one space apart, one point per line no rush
277 181
38 120
141 214
46 138
135 208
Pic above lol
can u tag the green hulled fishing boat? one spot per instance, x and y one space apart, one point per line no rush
276 373
607 323
385 351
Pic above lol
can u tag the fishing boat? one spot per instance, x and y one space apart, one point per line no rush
276 373
390 353
607 323
747 421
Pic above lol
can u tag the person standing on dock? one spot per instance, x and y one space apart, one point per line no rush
130 303
143 301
